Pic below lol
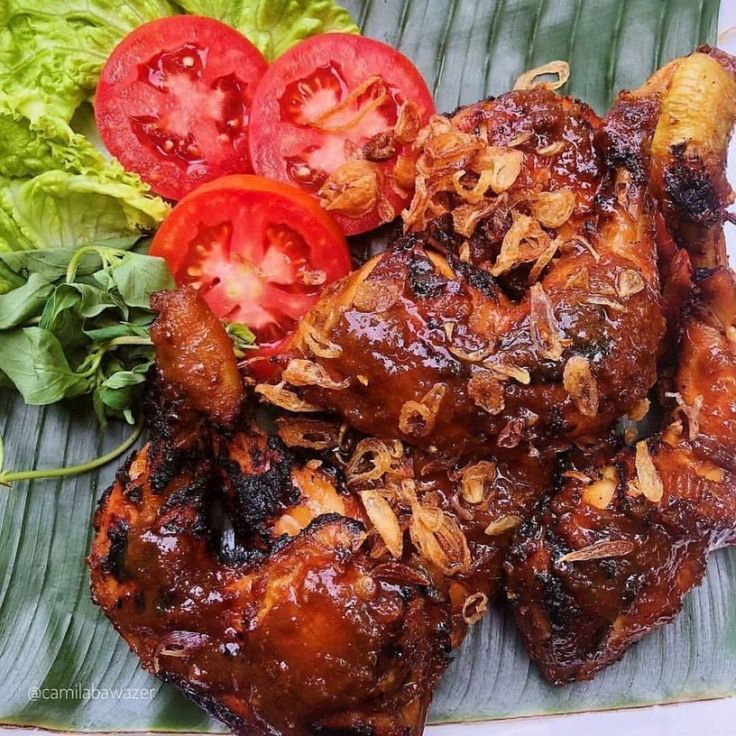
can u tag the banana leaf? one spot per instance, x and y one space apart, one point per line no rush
61 664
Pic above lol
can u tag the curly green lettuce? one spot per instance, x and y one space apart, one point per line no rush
276 25
58 48
56 189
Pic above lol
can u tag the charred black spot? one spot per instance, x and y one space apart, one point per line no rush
625 136
478 278
140 601
691 190
424 281
134 494
364 729
165 600
169 419
407 242
441 234
703 274
557 422
185 495
631 588
114 562
122 476
556 602
255 498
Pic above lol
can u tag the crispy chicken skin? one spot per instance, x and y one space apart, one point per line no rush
612 553
296 633
476 352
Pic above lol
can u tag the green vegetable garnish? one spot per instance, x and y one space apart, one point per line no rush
243 339
276 25
56 188
74 299
77 324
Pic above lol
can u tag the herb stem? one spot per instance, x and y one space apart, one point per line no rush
129 340
6 477
71 271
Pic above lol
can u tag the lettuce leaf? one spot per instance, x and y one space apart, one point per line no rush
276 25
56 188
59 209
58 48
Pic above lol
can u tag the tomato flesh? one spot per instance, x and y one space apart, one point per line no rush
322 102
259 251
173 102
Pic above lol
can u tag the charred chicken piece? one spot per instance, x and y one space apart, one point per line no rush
542 324
294 630
454 524
611 555
335 609
689 151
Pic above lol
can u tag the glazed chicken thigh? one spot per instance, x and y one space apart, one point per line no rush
308 618
541 322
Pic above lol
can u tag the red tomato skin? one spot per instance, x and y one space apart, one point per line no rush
359 58
233 199
121 87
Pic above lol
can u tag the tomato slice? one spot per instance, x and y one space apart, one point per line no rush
174 99
260 252
334 98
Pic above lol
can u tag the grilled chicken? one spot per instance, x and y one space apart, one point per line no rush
543 321
297 632
611 555
347 583
444 409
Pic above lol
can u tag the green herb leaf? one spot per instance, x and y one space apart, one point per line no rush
92 334
52 264
24 302
241 335
34 360
139 276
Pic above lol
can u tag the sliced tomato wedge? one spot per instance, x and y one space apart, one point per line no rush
337 98
260 252
174 99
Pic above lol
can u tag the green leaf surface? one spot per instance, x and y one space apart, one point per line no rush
34 360
139 276
22 303
51 636
276 25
